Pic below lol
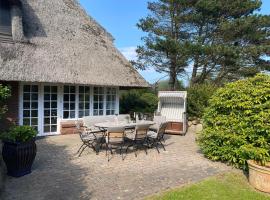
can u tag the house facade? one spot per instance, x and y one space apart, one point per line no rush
60 63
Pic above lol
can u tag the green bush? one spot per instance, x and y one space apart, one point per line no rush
4 95
198 97
19 134
143 101
237 125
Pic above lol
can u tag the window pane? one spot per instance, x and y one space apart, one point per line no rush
26 96
53 128
66 114
72 89
35 88
66 97
72 106
47 89
95 112
54 97
54 112
26 121
46 113
47 129
95 105
26 88
34 113
81 89
81 114
87 106
87 113
54 89
66 89
100 112
34 96
87 90
46 120
46 104
66 106
54 120
87 97
26 113
81 97
72 114
34 121
81 106
72 97
26 105
54 104
34 105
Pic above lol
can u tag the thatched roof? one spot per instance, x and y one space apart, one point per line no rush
62 44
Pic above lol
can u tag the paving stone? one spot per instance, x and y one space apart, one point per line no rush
58 173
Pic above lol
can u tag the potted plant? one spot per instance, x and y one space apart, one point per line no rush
259 175
19 150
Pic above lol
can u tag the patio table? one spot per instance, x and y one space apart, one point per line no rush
105 125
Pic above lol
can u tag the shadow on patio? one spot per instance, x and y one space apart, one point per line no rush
54 176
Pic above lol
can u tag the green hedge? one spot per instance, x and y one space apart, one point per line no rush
198 97
237 123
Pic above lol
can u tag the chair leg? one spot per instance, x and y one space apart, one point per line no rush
82 150
156 145
162 145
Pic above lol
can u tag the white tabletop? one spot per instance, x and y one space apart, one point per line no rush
122 124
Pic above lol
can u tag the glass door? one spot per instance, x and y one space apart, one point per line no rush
50 110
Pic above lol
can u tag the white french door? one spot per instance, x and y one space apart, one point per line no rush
50 109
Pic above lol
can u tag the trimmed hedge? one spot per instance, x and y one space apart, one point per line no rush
237 123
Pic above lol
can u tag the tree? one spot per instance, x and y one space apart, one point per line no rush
164 45
221 40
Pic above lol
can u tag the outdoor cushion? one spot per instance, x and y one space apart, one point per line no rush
152 134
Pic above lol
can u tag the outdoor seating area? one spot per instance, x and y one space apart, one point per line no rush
119 133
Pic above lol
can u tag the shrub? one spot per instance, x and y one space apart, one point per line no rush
143 101
236 124
20 134
4 95
198 97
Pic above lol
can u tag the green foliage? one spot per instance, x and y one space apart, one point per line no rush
142 101
4 95
198 97
236 123
221 40
19 134
230 186
164 85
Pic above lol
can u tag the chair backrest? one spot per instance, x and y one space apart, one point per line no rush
141 131
162 129
115 135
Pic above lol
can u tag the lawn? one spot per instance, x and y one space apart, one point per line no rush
231 186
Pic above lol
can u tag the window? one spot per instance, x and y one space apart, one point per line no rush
98 100
30 105
50 109
5 22
84 101
69 101
110 101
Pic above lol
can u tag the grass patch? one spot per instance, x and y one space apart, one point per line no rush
230 186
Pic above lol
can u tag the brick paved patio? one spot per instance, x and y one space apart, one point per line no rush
58 174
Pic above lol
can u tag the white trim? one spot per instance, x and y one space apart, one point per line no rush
60 101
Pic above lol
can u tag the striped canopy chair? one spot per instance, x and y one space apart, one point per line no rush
173 106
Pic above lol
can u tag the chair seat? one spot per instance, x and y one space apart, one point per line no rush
152 134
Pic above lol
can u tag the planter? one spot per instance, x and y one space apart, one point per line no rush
19 157
259 176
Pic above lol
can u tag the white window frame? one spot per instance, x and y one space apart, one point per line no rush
60 103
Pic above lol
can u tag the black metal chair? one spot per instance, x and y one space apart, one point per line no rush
88 138
156 138
139 140
115 138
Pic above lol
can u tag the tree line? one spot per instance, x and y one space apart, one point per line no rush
216 40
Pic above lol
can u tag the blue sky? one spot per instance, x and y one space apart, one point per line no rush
119 17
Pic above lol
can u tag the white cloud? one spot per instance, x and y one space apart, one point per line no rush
129 52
